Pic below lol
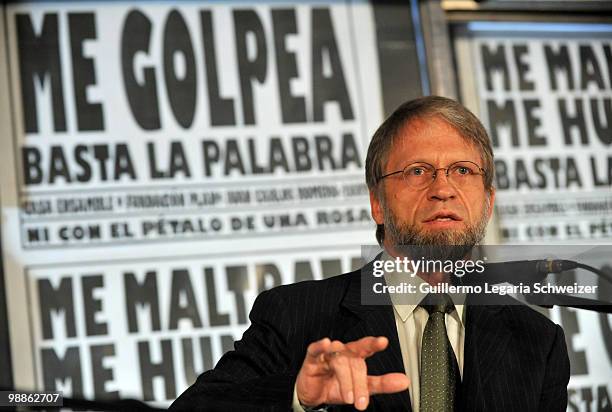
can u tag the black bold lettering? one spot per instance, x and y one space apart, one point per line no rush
210 150
324 152
93 305
589 68
66 369
227 343
221 109
178 160
603 128
256 168
58 300
247 23
533 122
149 370
238 282
30 159
521 174
102 375
141 295
277 156
350 153
587 396
502 116
233 160
181 88
572 174
189 370
303 271
123 162
39 58
328 82
604 403
101 154
539 164
293 108
268 276
142 97
604 180
520 50
58 166
301 150
188 309
570 122
89 115
608 58
80 155
494 61
153 170
215 318
558 62
330 267
571 404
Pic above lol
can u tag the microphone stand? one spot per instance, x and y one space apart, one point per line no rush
558 299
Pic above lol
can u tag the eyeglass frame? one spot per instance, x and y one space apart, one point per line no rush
483 172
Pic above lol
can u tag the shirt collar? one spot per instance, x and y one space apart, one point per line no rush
394 278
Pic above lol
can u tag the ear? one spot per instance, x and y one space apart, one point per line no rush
376 208
491 202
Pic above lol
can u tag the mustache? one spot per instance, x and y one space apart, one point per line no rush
448 244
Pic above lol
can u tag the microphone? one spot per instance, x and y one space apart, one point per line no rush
518 271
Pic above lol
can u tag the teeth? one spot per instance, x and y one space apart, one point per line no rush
443 218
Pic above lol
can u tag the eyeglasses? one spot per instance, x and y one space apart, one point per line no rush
460 174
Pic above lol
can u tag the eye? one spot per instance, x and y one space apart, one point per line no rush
415 171
462 170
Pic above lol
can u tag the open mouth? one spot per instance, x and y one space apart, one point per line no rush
443 217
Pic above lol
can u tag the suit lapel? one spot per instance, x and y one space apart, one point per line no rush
376 320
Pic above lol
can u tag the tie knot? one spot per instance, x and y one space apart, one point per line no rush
437 303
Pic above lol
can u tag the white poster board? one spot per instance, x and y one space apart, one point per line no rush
166 162
544 92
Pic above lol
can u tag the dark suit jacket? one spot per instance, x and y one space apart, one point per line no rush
515 359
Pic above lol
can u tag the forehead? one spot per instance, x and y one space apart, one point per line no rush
432 140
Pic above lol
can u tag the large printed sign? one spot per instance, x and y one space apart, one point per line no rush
164 163
93 320
548 104
544 91
166 101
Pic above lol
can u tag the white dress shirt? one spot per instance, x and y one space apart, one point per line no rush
410 321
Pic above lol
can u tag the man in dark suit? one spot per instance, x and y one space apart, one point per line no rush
319 346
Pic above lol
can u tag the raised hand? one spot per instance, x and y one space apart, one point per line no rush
336 373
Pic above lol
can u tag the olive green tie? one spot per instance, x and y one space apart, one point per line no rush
440 377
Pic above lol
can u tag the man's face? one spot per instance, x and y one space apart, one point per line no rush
440 214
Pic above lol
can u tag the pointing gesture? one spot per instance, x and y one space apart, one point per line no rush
336 373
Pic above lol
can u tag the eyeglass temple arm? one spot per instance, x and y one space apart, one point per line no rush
390 174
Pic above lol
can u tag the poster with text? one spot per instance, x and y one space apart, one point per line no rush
544 93
166 162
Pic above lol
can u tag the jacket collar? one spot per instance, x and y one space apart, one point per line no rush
375 320
487 337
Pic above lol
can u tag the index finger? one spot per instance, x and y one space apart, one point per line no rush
388 383
315 349
368 346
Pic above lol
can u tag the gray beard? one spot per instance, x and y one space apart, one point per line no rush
440 245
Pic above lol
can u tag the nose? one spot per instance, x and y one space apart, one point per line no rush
441 188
